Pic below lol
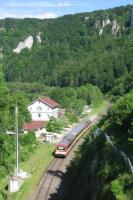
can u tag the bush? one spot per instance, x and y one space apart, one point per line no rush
122 112
7 150
28 139
72 117
53 125
2 172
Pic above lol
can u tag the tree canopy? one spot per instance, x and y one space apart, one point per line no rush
121 113
72 52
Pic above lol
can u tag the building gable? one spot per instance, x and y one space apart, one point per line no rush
47 101
42 109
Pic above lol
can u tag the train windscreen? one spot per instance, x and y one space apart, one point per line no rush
60 148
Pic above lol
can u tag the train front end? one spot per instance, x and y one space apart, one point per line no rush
60 151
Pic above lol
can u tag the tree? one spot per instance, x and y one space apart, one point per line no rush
53 125
4 100
122 112
23 115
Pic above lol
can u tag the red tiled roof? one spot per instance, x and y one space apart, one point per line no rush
34 125
51 103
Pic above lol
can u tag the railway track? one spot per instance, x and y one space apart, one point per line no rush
51 179
47 180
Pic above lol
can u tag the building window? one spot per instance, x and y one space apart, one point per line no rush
39 108
39 115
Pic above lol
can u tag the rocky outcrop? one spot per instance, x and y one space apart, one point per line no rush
28 43
101 25
38 37
100 31
106 22
97 24
1 54
115 28
87 18
2 29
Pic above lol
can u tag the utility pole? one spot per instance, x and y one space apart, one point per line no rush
16 180
16 130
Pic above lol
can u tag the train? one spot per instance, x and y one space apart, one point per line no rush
64 146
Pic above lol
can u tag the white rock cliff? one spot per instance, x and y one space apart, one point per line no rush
38 37
28 43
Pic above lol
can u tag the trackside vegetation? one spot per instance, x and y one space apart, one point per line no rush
99 171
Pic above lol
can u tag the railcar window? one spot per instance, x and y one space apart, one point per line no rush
61 148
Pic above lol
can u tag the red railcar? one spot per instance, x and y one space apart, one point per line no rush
64 146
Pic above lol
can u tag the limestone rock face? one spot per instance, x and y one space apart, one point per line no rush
101 25
100 31
28 43
115 28
106 22
1 50
97 24
38 37
2 29
87 18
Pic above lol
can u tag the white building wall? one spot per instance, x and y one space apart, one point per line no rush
41 112
39 132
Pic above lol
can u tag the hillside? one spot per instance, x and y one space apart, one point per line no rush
103 166
72 50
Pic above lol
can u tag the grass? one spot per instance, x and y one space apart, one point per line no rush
37 163
95 109
3 186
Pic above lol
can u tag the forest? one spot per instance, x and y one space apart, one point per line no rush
74 50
